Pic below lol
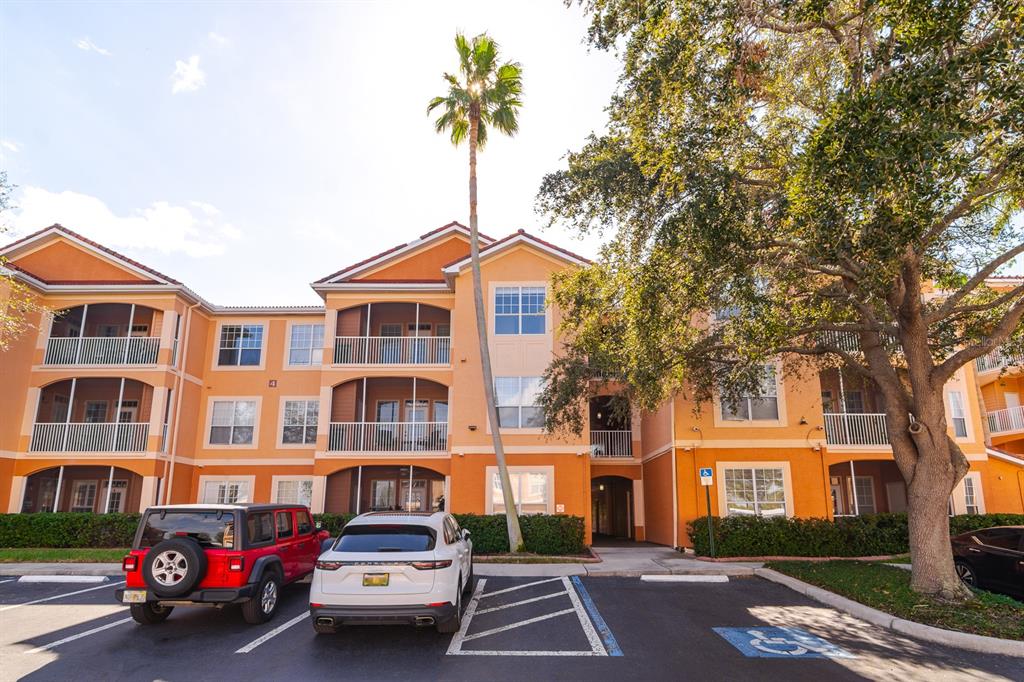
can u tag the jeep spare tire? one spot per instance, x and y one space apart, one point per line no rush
174 567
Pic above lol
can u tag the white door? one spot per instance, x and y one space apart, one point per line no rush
896 493
1012 399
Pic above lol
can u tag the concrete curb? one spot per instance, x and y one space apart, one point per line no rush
60 569
960 640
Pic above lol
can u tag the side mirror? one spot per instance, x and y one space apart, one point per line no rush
319 525
465 533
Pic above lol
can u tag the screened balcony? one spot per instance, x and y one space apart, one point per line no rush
854 410
393 334
997 360
388 415
104 334
93 415
610 434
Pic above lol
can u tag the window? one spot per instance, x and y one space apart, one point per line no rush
855 402
284 525
300 420
864 488
519 310
1004 538
441 411
260 527
957 413
117 495
233 422
211 529
95 411
304 522
295 491
240 345
764 406
225 492
385 538
517 402
307 345
970 497
83 496
174 345
755 492
383 492
530 490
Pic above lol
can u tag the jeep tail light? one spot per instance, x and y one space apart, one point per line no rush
431 565
329 565
130 563
236 564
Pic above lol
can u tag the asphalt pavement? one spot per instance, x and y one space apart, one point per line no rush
514 628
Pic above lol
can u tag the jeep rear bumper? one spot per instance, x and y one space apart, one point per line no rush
414 614
210 595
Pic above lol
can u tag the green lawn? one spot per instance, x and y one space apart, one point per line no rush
888 589
63 556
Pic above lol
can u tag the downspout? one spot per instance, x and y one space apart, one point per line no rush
675 483
177 403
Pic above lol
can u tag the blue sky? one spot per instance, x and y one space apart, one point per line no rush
250 148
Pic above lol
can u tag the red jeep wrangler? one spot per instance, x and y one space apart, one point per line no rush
218 554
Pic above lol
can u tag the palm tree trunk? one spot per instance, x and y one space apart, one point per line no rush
515 535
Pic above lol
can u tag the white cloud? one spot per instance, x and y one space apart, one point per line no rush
209 209
217 38
187 76
160 227
89 46
10 145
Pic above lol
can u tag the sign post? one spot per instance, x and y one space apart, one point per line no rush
706 479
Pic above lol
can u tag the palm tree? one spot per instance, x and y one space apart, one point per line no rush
483 94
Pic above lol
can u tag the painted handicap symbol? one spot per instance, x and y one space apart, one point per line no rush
780 642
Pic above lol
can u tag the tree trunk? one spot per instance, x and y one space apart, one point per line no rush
515 535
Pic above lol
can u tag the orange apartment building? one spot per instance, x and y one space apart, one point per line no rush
135 391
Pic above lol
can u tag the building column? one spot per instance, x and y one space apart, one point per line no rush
319 494
17 498
157 410
638 510
148 496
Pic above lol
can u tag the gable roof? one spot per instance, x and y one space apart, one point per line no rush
148 274
394 252
518 237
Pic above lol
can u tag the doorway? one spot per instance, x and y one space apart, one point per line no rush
611 500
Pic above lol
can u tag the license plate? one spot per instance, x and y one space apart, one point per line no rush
134 596
375 579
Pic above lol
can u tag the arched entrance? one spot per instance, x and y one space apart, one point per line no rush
82 489
384 488
611 500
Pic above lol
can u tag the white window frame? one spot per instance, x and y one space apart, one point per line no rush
281 421
118 495
312 348
233 399
549 492
248 481
518 406
958 498
93 403
958 411
265 333
519 291
787 482
275 489
863 504
76 485
780 404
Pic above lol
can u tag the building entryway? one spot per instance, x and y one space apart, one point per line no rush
384 488
611 512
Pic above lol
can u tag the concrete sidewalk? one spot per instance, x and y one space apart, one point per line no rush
615 561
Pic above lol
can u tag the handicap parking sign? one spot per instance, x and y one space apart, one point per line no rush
782 642
705 476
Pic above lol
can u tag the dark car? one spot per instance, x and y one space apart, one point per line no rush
992 559
218 554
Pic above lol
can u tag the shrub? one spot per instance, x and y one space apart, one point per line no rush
333 522
65 529
868 535
542 533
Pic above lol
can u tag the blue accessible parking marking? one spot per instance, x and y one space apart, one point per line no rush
772 642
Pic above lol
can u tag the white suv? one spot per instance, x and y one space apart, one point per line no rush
393 567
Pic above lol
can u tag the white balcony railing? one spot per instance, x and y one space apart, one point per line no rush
855 429
997 360
101 350
1007 420
850 341
611 443
392 350
388 437
90 437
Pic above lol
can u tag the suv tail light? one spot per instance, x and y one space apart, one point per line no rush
236 564
130 563
329 565
431 565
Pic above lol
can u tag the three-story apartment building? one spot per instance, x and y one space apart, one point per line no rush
133 390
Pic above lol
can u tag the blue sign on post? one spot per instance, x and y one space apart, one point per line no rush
705 472
782 642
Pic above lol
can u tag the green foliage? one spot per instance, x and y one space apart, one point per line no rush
542 533
65 529
854 536
333 523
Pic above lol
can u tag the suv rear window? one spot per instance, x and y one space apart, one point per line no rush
212 529
385 538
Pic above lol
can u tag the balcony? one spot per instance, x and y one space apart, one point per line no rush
388 437
618 443
855 429
997 361
1007 420
89 437
393 334
103 334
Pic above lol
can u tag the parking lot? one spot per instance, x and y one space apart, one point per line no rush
513 628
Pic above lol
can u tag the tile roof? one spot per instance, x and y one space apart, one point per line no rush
522 233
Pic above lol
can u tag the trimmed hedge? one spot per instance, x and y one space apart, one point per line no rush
868 535
542 534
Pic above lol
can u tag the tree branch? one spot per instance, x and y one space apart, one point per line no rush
947 307
943 372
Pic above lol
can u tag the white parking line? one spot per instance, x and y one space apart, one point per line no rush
518 624
62 579
685 578
273 633
80 635
519 603
59 596
455 647
596 645
520 587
